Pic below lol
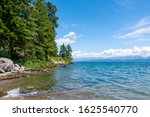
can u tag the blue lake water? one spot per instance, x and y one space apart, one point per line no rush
107 80
84 80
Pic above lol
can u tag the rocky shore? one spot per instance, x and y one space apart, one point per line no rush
73 94
10 70
7 65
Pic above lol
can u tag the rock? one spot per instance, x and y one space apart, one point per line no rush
6 64
1 64
22 69
44 70
2 71
64 65
30 87
16 65
13 93
2 94
14 69
58 62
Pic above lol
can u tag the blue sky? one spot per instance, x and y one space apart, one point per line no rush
104 28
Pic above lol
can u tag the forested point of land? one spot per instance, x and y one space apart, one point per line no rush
27 32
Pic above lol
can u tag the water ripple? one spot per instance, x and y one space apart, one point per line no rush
112 80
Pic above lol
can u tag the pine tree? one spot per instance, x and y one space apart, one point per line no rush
28 32
51 11
27 29
69 53
52 14
2 29
46 33
66 53
9 17
62 52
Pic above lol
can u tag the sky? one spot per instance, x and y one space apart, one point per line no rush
104 28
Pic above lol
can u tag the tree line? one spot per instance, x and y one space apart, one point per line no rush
27 30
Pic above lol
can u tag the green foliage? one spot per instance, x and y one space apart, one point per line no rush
66 53
35 64
3 54
27 30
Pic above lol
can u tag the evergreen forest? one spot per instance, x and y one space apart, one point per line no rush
27 32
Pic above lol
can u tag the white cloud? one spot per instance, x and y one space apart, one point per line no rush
64 41
133 52
136 33
69 25
142 22
70 38
71 35
141 39
141 29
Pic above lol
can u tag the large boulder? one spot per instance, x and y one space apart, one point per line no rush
2 71
6 64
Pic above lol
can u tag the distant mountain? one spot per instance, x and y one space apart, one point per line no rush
114 59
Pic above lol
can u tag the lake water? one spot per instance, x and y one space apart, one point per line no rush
87 80
108 80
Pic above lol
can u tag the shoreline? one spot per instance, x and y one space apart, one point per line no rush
73 94
11 75
15 75
8 76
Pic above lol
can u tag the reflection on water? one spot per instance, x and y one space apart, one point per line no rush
29 85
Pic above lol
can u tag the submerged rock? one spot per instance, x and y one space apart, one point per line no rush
22 69
2 94
13 93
